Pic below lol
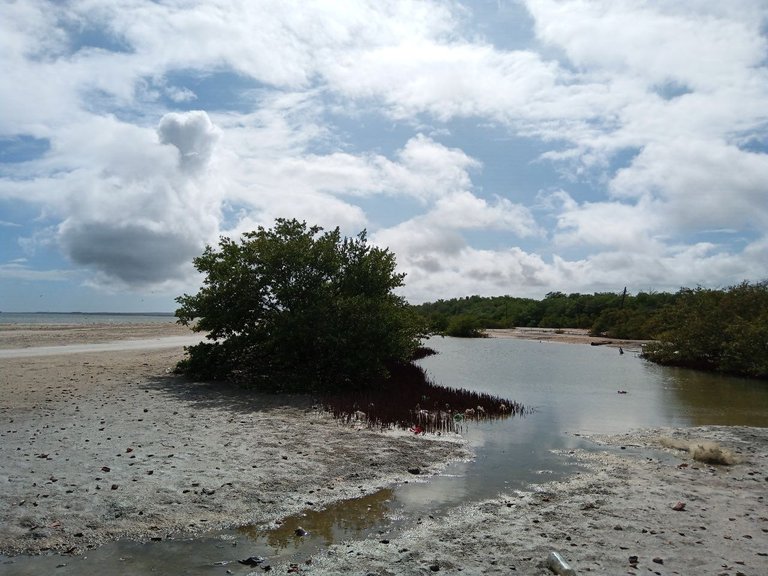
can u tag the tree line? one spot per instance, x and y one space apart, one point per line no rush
723 330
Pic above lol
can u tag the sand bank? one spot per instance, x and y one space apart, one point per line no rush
565 336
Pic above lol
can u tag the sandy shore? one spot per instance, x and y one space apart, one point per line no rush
564 335
97 447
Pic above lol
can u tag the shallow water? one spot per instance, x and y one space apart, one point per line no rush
572 389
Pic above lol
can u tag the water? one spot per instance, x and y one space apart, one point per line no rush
572 389
84 318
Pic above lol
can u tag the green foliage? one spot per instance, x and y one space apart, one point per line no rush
297 308
719 330
605 314
464 326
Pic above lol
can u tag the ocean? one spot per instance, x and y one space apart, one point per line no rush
85 318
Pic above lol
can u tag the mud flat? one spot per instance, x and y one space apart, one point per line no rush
643 509
96 447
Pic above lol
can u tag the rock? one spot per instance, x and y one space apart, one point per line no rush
252 561
300 531
435 567
679 507
658 560
415 471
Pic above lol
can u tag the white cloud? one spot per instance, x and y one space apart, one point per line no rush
19 271
194 136
701 44
674 92
143 208
699 184
612 225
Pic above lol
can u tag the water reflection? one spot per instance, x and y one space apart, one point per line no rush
345 519
716 399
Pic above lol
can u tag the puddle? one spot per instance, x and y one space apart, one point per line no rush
220 552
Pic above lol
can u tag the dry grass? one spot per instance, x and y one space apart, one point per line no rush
702 451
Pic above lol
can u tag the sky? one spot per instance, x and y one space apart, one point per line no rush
496 147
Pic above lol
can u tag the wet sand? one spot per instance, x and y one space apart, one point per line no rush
96 447
620 508
101 446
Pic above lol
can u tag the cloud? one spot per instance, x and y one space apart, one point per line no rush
699 184
647 119
136 254
141 215
19 271
193 134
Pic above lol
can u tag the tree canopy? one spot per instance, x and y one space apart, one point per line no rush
298 308
717 330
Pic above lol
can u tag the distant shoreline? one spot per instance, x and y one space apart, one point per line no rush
40 312
84 318
565 336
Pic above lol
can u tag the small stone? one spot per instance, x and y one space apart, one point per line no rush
300 531
658 560
105 468
417 471
435 568
252 561
114 486
679 507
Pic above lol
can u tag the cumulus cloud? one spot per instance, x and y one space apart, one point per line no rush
139 219
136 254
194 136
